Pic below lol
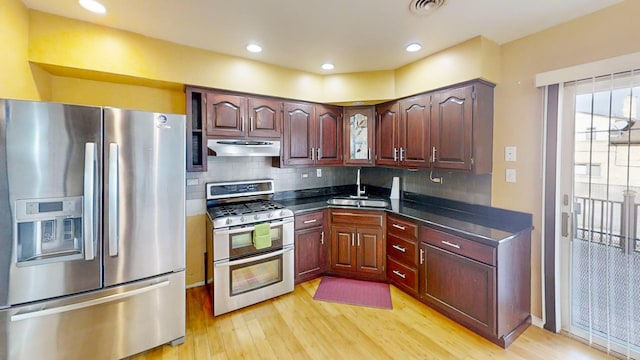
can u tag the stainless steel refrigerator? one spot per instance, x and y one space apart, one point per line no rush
92 231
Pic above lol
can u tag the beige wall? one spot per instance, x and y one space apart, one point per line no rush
518 104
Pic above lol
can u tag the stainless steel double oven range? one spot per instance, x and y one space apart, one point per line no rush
237 273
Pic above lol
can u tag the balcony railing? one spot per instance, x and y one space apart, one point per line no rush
605 222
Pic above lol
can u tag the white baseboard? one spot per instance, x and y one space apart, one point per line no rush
536 321
199 283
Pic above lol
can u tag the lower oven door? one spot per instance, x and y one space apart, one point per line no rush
247 281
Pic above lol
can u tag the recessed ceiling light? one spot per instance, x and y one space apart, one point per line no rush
254 48
93 6
413 47
328 66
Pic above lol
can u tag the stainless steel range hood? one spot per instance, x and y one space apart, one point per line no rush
230 147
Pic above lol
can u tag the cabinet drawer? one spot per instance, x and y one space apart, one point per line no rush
309 220
458 245
402 275
355 218
402 228
402 250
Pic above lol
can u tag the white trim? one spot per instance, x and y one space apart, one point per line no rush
536 321
543 201
588 70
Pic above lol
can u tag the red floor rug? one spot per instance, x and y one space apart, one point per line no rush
354 292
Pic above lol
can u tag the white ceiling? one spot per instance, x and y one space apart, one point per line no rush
355 35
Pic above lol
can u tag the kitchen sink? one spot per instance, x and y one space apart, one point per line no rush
377 203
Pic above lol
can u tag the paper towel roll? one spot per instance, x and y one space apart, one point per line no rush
395 188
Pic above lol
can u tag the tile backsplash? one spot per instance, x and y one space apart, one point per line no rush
475 189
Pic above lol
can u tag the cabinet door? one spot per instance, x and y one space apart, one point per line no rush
310 255
328 135
343 249
464 288
371 257
451 128
225 115
358 135
265 118
415 119
387 134
298 143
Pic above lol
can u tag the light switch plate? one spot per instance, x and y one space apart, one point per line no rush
319 172
510 153
511 175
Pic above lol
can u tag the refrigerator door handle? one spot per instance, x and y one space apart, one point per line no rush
113 199
89 303
89 206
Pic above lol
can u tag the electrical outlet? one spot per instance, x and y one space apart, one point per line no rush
305 175
319 172
510 153
511 175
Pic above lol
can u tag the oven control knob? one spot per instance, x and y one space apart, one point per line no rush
241 218
282 213
256 217
270 215
228 221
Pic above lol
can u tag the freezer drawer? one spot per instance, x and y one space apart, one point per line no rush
107 324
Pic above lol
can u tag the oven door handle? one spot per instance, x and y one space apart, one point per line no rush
254 258
249 228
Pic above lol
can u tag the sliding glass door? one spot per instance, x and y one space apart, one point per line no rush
600 197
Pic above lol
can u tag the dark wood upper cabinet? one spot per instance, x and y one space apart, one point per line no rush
265 117
226 115
358 135
328 135
462 128
312 135
299 134
196 131
402 133
415 119
387 133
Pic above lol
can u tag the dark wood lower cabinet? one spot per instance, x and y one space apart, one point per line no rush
463 287
485 288
311 244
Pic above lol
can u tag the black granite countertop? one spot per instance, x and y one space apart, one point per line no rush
476 222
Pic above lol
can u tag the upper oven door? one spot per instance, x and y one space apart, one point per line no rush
237 242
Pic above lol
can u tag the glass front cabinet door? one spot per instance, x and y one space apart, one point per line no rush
358 135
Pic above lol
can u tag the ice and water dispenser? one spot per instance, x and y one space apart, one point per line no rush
48 230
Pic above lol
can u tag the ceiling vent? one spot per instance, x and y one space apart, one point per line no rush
425 7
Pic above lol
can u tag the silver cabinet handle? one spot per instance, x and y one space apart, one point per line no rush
399 227
114 189
251 123
312 155
399 248
433 154
353 236
319 152
310 221
242 123
402 157
86 304
400 274
322 238
369 154
421 256
451 244
89 206
358 239
395 154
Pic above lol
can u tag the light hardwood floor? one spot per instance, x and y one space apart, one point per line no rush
295 326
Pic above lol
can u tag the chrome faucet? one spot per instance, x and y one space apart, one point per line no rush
359 191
